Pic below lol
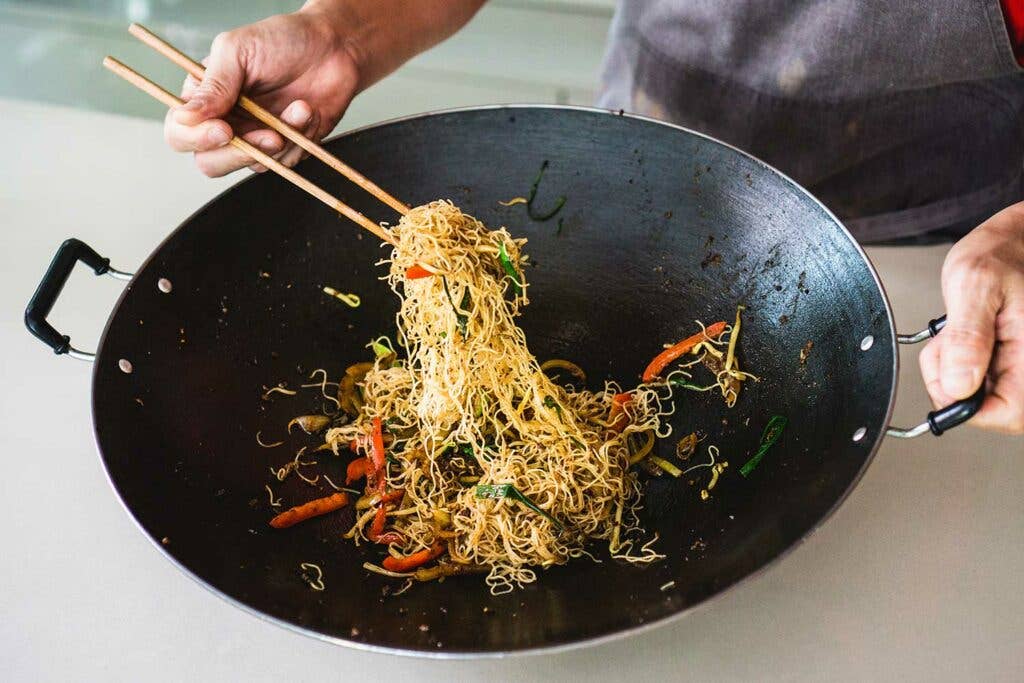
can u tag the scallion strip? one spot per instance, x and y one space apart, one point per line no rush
559 203
665 465
495 491
461 319
510 269
769 436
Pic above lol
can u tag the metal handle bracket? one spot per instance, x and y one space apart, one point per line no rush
943 419
70 252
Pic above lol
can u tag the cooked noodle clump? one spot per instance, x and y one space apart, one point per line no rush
469 406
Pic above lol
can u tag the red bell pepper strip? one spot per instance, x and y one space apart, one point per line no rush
392 497
357 469
617 417
314 508
377 526
378 445
416 272
661 361
411 562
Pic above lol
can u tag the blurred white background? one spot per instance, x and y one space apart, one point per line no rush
512 51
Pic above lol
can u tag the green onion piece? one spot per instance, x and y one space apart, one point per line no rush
509 491
461 319
510 269
665 465
769 436
558 230
465 305
550 402
379 350
559 203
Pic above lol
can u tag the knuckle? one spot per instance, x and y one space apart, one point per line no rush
225 40
970 270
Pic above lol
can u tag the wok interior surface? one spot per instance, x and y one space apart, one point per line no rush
661 227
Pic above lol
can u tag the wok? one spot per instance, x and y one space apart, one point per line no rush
661 226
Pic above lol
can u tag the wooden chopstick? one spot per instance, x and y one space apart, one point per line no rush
155 91
259 113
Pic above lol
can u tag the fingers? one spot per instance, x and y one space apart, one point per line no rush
929 362
201 137
224 160
219 162
1003 409
973 296
204 136
221 84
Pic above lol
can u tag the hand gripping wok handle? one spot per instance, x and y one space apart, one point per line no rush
70 252
938 421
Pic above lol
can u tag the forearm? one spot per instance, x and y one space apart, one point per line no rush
381 35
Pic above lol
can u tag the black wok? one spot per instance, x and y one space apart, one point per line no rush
661 226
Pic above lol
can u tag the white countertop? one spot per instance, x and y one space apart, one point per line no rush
917 576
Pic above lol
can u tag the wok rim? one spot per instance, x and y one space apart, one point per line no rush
620 634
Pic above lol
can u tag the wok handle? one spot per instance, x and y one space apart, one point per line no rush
70 252
943 419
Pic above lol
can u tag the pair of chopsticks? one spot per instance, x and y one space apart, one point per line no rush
260 114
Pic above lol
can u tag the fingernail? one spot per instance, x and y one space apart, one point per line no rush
298 114
217 136
960 382
268 145
194 104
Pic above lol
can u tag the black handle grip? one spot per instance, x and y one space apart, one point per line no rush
70 253
956 413
935 326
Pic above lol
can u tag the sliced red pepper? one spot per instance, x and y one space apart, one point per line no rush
357 469
377 526
617 417
353 445
411 562
392 497
378 445
416 272
661 361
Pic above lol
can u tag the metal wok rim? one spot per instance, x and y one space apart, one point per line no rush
544 649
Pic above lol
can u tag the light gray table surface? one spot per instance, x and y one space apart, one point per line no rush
916 577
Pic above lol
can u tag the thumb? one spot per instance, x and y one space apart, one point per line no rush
967 340
222 83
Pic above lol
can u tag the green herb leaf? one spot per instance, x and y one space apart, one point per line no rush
510 269
495 491
769 436
379 350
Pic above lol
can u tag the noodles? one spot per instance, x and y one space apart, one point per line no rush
469 400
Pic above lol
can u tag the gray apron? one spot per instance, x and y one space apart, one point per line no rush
904 117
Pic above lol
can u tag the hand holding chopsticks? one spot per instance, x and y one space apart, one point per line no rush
270 120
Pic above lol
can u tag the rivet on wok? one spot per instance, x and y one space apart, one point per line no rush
164 285
125 365
859 434
867 342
